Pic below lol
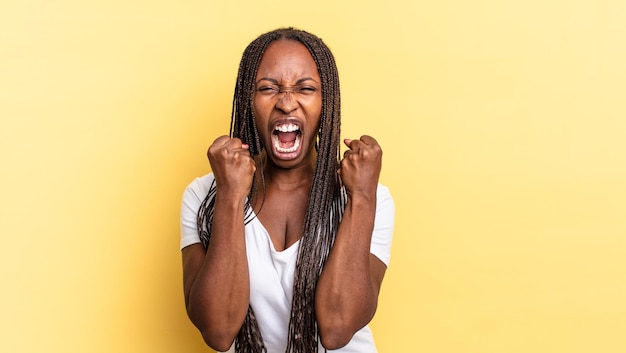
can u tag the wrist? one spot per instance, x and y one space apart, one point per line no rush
233 200
362 197
361 201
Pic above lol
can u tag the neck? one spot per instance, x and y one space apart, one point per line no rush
289 179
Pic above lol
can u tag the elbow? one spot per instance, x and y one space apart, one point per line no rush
336 330
335 335
219 341
219 337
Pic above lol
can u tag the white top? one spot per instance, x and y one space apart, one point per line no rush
272 272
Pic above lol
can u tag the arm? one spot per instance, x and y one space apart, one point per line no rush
347 290
216 282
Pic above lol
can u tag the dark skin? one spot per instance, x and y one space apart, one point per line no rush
283 211
287 92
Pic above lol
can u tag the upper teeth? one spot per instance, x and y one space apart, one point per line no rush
287 128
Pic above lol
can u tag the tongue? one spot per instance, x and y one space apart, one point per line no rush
285 137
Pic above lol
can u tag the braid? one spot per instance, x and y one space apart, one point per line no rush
326 201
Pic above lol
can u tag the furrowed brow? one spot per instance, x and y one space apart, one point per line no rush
275 81
272 80
304 79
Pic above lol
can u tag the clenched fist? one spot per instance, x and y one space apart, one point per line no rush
232 166
359 169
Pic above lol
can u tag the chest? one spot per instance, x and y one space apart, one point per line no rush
282 215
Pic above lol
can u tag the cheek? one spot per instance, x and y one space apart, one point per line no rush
255 106
259 111
315 110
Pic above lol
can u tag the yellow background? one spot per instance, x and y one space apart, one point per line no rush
502 122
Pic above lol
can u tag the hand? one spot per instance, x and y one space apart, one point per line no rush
232 165
359 169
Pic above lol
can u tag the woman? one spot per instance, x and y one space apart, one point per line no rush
285 244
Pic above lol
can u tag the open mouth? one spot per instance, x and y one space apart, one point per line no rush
286 138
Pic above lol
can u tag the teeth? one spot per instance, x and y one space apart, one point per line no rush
287 128
293 148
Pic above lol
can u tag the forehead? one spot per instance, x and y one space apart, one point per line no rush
284 59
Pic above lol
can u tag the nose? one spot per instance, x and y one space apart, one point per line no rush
286 103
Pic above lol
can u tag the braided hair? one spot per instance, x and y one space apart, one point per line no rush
326 200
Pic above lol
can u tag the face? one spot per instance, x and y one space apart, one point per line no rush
287 103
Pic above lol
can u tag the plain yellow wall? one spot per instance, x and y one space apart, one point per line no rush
503 125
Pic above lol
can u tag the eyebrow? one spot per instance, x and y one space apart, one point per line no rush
275 81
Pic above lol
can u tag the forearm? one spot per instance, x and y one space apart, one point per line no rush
347 290
219 297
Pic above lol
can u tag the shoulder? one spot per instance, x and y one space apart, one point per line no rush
201 183
384 200
383 225
199 187
382 191
193 196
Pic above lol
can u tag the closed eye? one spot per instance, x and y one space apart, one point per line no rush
268 89
307 89
275 89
